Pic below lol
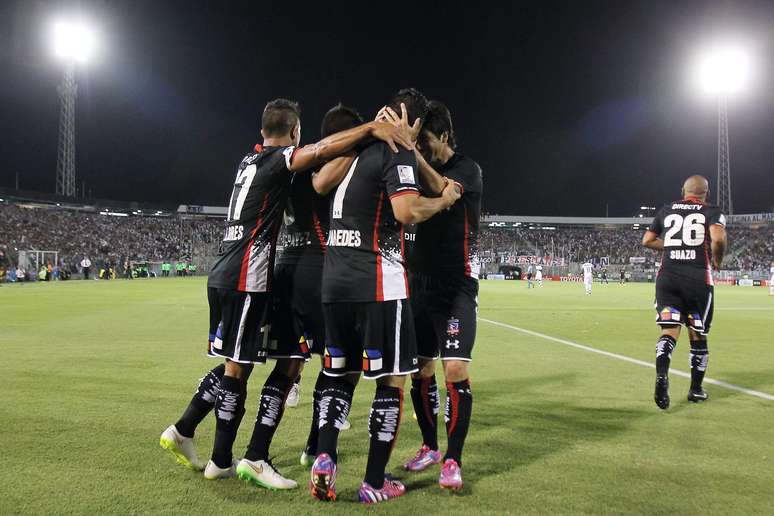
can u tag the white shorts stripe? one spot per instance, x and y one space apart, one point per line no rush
398 310
240 331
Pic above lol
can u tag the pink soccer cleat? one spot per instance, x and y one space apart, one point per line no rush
451 475
424 458
323 481
391 489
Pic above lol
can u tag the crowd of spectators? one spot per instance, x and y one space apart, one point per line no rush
105 239
750 248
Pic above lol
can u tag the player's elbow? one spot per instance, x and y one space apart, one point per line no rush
320 186
405 216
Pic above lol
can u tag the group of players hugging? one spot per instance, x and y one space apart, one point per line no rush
339 287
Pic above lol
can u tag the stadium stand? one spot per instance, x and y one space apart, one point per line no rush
192 233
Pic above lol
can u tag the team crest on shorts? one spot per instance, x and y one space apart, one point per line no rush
334 358
453 327
372 360
670 314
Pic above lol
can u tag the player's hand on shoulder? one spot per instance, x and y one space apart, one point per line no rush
451 192
391 135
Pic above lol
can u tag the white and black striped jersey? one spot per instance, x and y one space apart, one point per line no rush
364 254
246 256
684 227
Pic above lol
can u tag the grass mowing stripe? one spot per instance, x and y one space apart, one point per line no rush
570 343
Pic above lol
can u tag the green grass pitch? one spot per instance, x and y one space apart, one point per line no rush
92 372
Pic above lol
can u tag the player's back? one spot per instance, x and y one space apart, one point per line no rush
364 260
684 227
246 254
587 269
306 224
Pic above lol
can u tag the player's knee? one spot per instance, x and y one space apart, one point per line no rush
671 331
237 370
391 381
290 367
426 369
455 370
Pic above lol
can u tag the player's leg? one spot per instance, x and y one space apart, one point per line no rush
699 360
256 467
341 366
666 344
430 325
389 326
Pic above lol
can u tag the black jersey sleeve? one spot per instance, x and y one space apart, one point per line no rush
657 226
715 216
400 172
467 174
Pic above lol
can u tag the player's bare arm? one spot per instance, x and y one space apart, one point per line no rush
314 155
331 174
719 242
413 208
651 240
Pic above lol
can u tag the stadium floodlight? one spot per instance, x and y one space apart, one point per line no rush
724 70
74 41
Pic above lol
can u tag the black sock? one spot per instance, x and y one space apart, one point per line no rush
298 379
314 431
229 405
383 424
459 406
270 410
424 395
202 402
664 347
699 362
335 401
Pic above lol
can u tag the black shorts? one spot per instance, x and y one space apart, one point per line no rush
445 312
297 327
242 332
680 300
376 338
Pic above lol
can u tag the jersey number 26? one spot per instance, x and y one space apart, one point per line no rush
692 227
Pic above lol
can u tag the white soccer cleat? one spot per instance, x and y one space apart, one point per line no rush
294 396
262 473
181 447
347 425
213 472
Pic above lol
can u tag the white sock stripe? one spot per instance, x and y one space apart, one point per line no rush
719 383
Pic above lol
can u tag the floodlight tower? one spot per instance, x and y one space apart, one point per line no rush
723 71
74 44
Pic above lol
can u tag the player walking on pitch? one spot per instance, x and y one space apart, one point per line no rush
771 281
539 274
239 288
692 236
529 276
588 276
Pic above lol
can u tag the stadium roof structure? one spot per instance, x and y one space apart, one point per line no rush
527 220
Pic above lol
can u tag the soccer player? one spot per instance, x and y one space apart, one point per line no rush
368 320
298 329
623 275
604 276
539 274
692 237
588 276
529 276
239 288
444 284
771 280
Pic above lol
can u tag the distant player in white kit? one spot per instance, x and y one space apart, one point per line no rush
539 274
771 280
588 276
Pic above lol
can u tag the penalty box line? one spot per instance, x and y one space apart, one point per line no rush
730 386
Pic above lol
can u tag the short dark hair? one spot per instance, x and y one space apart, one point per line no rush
279 117
438 121
339 118
416 103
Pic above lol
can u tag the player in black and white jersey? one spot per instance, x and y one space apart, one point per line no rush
444 283
368 321
692 236
298 328
239 288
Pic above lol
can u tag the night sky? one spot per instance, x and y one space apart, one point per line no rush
567 106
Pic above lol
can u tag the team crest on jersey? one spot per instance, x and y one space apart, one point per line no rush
372 360
406 174
453 327
334 358
670 314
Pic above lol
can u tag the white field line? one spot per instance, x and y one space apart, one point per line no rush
624 358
